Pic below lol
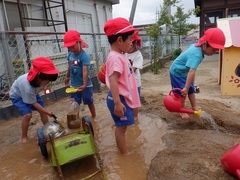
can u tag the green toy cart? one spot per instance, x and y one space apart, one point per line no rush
69 147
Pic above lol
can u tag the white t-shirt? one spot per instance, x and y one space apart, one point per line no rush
21 88
137 59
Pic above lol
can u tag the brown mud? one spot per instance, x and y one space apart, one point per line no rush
162 145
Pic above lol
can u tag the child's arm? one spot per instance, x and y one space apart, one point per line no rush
119 107
189 81
42 109
67 78
85 78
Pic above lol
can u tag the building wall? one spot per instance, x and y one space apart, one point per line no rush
86 16
211 10
230 81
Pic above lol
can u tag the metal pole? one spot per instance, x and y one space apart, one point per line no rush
134 5
64 15
21 15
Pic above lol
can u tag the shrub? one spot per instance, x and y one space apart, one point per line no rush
176 53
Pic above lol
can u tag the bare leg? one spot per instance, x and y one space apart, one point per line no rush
135 110
184 115
192 100
120 139
92 110
25 123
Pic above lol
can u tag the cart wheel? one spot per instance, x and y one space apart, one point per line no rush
87 125
42 142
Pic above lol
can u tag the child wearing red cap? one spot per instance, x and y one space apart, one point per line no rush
135 57
183 68
24 92
123 95
78 72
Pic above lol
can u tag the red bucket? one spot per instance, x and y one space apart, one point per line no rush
101 74
231 160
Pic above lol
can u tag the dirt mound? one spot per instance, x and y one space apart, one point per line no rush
195 146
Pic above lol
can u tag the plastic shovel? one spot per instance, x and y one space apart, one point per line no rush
71 90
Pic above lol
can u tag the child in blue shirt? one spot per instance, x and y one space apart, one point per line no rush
78 72
183 68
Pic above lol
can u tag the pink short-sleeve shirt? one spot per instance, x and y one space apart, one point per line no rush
118 62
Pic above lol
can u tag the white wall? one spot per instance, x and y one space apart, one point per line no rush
82 15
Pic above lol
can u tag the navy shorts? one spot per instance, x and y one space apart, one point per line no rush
86 96
179 82
24 107
127 119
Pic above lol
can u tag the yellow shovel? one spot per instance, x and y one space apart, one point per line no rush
71 90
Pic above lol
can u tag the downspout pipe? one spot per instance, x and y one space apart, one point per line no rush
5 13
6 52
99 31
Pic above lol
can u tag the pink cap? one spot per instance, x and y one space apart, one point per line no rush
215 38
71 37
117 25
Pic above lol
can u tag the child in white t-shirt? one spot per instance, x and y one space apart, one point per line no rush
135 57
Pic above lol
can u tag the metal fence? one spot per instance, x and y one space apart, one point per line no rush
17 49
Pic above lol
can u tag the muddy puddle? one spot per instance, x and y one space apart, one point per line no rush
24 161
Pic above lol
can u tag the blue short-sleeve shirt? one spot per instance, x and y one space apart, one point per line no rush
190 58
76 63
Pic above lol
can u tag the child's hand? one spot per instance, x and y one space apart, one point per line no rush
184 91
81 88
119 109
52 115
66 81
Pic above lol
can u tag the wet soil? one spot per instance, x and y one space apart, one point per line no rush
162 145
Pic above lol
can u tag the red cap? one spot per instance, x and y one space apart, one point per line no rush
41 65
117 25
71 37
214 37
137 39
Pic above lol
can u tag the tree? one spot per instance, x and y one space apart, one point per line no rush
179 24
154 31
176 24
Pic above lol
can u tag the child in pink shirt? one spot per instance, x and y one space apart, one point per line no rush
123 96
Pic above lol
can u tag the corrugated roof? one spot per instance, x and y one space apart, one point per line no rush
230 27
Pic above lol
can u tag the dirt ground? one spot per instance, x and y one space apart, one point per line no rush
188 149
195 147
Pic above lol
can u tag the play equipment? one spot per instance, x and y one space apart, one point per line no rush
67 147
174 101
101 74
228 60
231 160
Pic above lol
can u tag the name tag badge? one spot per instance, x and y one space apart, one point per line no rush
75 62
